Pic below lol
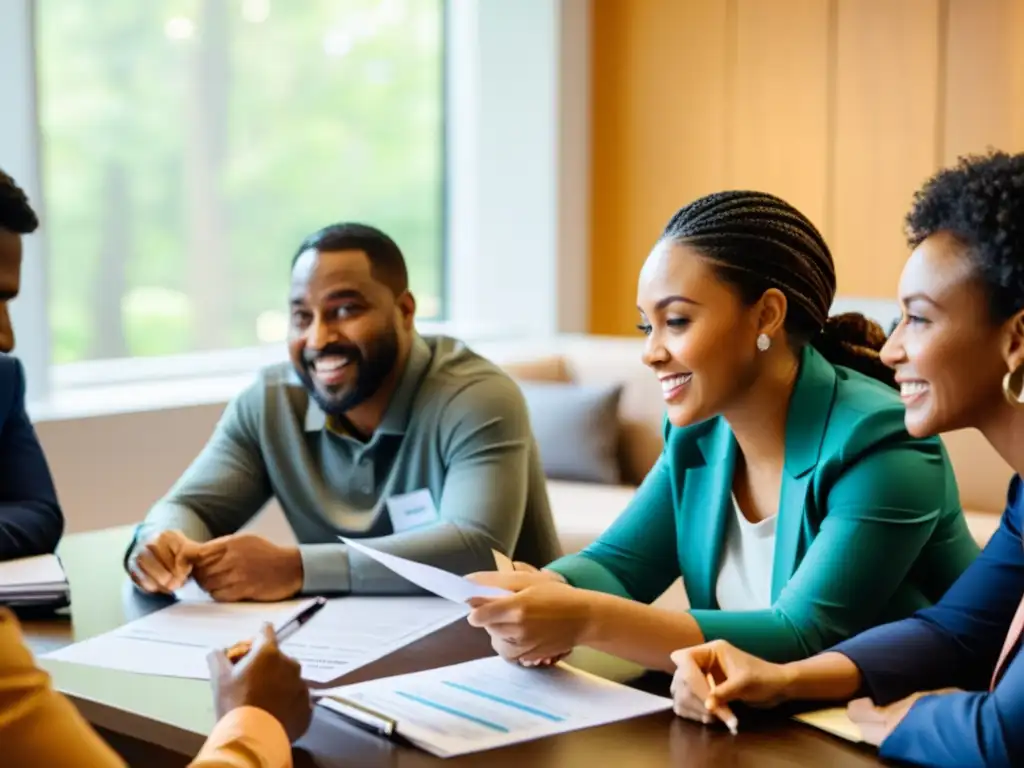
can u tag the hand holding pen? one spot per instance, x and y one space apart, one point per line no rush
265 679
696 693
238 651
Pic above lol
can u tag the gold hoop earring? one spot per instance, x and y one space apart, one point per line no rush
1013 386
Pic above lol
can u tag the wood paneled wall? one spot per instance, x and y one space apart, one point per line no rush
842 107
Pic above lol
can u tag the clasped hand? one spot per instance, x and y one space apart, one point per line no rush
539 624
241 566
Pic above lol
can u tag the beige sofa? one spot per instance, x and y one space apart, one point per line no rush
582 510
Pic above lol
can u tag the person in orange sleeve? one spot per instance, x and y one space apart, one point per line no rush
262 703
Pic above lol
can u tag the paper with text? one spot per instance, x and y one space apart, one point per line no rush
490 703
450 586
348 633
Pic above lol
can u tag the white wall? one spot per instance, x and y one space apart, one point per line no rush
518 165
110 469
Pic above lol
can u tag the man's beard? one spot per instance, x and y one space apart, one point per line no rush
371 370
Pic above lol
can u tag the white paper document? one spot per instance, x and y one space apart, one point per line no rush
348 633
448 585
191 592
490 703
834 720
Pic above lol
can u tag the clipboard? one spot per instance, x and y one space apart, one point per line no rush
416 709
361 716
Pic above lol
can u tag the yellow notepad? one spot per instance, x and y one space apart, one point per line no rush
834 721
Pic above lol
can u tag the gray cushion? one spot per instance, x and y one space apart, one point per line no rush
577 429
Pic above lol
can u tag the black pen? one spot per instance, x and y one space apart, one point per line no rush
237 651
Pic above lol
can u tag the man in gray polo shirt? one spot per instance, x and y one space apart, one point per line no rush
372 431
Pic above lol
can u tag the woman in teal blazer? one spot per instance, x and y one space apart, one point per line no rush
945 687
789 496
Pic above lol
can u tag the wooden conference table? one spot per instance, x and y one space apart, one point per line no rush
158 722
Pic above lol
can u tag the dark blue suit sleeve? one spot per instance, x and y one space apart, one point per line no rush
956 642
31 522
962 730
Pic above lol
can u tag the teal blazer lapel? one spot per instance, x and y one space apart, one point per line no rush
809 412
706 495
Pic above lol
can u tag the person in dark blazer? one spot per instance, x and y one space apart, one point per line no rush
31 522
944 687
262 702
789 497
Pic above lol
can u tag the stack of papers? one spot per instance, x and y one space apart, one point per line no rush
485 704
348 633
33 581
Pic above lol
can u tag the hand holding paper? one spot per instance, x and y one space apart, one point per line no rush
542 621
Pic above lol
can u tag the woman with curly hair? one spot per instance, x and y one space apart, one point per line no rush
789 496
944 687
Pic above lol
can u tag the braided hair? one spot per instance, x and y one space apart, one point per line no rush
16 215
755 241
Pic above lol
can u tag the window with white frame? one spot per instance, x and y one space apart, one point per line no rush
466 138
188 145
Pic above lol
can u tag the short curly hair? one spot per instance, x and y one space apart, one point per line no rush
980 201
16 214
387 263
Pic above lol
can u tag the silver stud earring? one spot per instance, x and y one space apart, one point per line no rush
763 342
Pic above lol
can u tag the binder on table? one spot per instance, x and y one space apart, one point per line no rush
34 582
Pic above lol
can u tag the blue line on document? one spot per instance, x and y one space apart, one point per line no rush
457 713
506 702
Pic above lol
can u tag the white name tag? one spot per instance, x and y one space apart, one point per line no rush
411 510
